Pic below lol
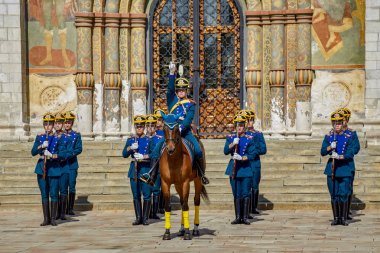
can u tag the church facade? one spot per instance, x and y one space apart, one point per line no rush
292 61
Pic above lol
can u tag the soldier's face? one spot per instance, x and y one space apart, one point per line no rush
151 127
68 125
240 127
139 129
48 126
58 126
160 123
181 93
250 123
338 126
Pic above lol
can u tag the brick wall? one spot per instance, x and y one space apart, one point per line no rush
11 83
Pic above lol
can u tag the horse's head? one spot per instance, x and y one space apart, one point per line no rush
171 132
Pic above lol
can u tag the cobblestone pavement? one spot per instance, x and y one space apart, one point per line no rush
111 231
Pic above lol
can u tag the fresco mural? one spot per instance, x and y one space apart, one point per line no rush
51 36
338 29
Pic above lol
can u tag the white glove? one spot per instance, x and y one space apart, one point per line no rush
172 68
180 128
45 144
333 145
334 155
181 118
135 145
47 153
139 156
236 156
236 141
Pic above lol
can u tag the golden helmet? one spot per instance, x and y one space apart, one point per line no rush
139 119
48 117
240 118
337 116
252 114
157 113
151 118
245 113
182 83
59 117
69 116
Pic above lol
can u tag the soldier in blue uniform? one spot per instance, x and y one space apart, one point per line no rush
160 122
180 105
339 145
242 148
256 163
64 178
74 148
151 121
138 148
347 114
47 169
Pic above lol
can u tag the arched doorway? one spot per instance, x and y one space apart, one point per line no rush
205 36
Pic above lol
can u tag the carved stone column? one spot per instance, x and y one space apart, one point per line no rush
112 79
304 74
277 72
254 60
124 48
84 79
138 66
98 68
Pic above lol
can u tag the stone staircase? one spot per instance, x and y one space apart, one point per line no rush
292 177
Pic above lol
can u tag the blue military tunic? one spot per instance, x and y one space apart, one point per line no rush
157 185
256 163
142 166
356 147
48 186
339 188
241 184
64 154
74 148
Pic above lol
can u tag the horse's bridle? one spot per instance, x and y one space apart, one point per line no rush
171 127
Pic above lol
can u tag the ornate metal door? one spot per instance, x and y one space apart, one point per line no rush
203 36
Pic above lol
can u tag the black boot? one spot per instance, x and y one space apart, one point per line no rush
54 210
46 212
200 166
250 205
161 204
255 201
138 212
155 208
62 208
343 213
146 210
349 207
245 212
150 177
70 206
237 212
59 208
335 208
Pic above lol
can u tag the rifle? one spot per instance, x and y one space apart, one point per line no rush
44 168
135 162
236 148
333 160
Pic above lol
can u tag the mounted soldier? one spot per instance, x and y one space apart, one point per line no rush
180 105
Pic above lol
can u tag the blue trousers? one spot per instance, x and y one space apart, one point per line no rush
63 184
339 189
48 187
241 187
188 136
157 186
138 187
72 180
256 178
352 178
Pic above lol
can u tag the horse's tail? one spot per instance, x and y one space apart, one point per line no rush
204 195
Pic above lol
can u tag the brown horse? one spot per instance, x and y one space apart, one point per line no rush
176 168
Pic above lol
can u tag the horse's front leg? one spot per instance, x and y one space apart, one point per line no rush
185 209
165 187
197 203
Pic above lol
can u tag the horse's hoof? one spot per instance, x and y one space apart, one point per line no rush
195 232
166 236
187 236
181 232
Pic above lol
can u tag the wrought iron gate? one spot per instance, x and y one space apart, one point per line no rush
205 37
